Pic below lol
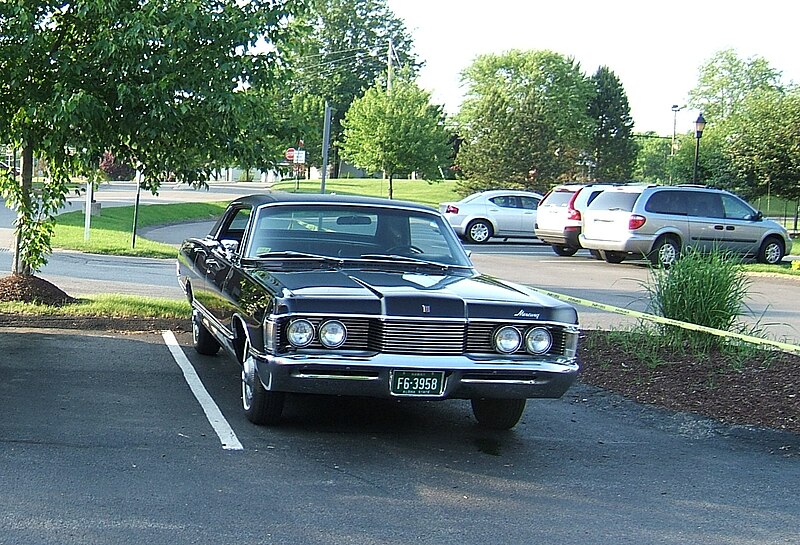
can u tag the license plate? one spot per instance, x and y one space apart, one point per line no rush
417 383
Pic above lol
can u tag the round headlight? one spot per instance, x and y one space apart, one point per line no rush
300 333
332 334
507 339
538 340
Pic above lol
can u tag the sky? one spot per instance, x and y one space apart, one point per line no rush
655 48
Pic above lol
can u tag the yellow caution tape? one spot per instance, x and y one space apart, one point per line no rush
785 347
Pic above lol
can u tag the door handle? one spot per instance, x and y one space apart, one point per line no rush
719 227
730 228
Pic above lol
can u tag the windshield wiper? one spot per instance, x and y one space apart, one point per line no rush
299 255
394 258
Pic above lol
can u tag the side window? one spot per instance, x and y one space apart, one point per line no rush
505 201
703 204
234 226
735 208
529 203
668 202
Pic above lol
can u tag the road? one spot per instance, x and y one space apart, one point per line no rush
102 441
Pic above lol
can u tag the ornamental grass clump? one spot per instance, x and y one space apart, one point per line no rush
704 288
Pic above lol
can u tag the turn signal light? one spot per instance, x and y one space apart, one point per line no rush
451 209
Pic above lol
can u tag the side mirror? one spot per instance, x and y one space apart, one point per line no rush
231 247
758 216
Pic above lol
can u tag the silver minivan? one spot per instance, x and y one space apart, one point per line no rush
658 222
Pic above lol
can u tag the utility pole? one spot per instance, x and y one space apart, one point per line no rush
326 137
389 68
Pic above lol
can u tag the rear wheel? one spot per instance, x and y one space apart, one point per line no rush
771 251
564 251
613 257
261 406
498 414
479 231
202 339
665 252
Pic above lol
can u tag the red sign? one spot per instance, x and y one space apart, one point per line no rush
289 154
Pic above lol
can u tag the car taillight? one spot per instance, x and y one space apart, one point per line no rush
574 214
451 209
636 221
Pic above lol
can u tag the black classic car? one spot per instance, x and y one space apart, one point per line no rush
339 295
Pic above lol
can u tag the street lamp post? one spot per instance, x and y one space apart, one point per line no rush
699 126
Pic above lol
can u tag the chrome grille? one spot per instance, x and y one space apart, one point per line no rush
418 337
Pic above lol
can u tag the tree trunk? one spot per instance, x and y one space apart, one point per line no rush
18 264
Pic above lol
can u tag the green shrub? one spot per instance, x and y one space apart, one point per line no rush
707 289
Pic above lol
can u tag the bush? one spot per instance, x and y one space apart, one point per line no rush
114 170
707 289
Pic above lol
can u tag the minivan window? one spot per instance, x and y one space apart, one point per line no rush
615 200
705 204
736 208
668 202
558 198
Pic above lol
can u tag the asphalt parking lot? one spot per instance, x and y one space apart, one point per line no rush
102 440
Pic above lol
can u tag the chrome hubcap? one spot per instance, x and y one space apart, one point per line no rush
667 254
248 381
772 253
480 232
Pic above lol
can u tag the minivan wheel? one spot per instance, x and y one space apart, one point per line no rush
478 231
665 252
613 257
771 251
564 251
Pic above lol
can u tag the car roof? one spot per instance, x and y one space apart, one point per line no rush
495 192
283 197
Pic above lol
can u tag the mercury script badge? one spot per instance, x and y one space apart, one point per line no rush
523 314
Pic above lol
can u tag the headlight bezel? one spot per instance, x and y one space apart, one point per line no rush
499 339
308 335
331 324
530 341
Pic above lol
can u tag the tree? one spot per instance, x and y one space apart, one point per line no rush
158 84
613 147
348 51
764 143
726 80
653 160
396 131
524 121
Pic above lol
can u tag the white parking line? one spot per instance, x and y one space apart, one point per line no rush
224 431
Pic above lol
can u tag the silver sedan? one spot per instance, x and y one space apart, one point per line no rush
504 213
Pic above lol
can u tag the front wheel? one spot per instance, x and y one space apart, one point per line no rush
202 339
479 231
498 414
261 406
771 251
564 251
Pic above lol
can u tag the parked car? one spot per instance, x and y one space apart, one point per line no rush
558 219
504 213
658 222
368 297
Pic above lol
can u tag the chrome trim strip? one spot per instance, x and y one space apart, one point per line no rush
314 376
501 381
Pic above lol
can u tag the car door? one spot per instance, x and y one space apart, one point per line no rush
706 221
529 207
216 264
742 230
505 214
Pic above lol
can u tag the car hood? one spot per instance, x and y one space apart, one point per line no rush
412 295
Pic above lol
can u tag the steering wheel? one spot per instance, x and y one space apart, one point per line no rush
410 248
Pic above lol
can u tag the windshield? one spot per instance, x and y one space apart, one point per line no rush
353 232
615 200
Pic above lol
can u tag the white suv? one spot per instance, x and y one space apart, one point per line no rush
658 222
558 220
